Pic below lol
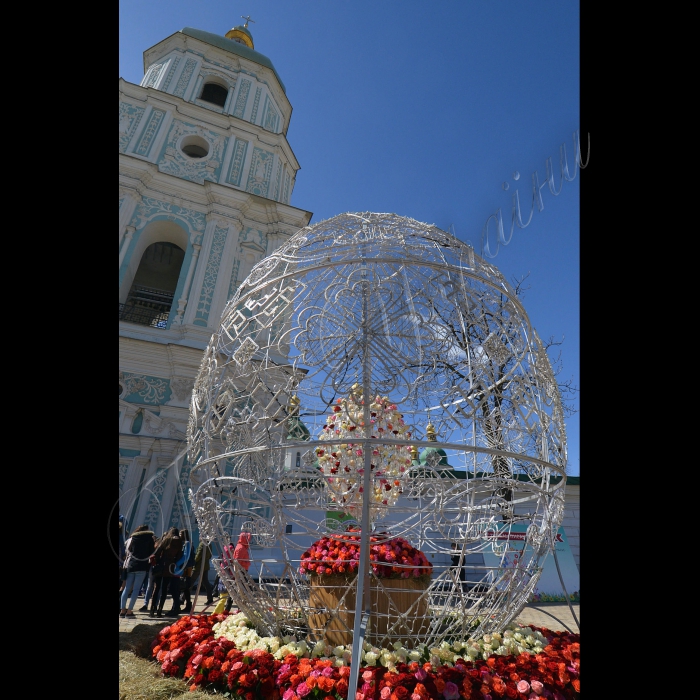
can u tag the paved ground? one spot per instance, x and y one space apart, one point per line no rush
554 616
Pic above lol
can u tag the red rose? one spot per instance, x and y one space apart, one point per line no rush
215 676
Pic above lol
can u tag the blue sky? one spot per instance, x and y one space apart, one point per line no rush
424 109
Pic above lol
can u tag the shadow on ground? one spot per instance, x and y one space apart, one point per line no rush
138 640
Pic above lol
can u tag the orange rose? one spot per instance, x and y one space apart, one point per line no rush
498 686
324 683
440 684
312 682
422 691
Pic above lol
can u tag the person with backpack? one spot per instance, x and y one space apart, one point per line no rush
138 549
164 561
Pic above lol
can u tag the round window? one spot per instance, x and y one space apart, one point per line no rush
194 147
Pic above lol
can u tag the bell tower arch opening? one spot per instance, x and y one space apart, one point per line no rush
148 291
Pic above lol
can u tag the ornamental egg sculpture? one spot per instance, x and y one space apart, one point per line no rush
375 377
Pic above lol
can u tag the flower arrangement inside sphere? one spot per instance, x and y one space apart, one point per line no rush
389 558
343 462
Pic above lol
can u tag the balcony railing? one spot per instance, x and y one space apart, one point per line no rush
143 316
147 306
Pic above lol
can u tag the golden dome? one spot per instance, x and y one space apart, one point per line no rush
241 35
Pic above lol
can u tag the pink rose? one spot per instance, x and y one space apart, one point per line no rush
537 687
386 693
367 676
450 691
523 687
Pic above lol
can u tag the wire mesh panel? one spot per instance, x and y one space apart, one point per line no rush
375 373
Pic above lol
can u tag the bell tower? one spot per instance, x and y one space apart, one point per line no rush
205 181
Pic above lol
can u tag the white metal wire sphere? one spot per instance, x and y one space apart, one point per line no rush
380 306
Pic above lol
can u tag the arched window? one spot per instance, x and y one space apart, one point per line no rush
214 93
152 292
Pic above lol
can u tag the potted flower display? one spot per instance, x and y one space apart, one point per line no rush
400 574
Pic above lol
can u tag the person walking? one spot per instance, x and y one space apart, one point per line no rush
241 554
164 560
202 562
182 575
138 548
150 583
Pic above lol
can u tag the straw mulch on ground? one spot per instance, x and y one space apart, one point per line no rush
140 678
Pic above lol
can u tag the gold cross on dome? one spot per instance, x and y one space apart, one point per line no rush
247 19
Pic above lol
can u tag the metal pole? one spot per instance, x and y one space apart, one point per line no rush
362 598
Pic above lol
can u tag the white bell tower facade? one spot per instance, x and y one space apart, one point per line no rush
205 180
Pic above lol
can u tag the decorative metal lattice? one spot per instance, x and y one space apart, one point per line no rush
361 322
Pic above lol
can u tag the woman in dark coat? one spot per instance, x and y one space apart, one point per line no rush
139 548
165 559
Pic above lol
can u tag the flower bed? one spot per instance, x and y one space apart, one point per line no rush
223 653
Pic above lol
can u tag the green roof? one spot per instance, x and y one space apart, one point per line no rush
234 47
429 450
297 429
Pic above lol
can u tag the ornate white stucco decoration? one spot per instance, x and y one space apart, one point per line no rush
385 307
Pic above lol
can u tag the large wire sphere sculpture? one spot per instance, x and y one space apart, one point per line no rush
374 340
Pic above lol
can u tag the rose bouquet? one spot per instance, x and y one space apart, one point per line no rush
340 555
